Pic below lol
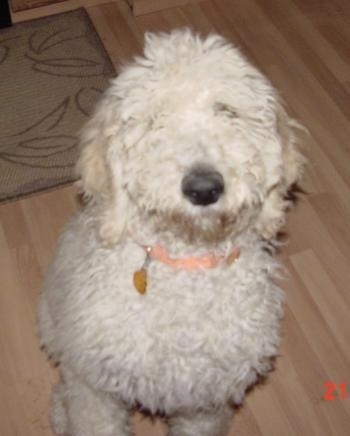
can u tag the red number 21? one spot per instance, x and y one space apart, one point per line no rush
331 390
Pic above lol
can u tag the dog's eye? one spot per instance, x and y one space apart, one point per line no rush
225 109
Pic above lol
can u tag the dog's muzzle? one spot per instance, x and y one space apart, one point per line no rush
203 186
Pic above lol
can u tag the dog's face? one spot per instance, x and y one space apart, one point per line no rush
195 138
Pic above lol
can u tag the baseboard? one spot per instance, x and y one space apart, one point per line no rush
142 7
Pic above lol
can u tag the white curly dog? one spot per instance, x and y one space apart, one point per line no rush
161 295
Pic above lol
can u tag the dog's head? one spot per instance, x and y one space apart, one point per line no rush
193 137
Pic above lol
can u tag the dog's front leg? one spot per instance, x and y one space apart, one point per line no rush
80 410
204 423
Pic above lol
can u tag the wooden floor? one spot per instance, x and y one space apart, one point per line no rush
304 48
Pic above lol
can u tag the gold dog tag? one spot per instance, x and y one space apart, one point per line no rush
140 276
140 280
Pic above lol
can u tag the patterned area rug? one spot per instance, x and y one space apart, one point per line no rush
53 70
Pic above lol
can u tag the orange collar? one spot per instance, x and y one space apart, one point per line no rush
191 263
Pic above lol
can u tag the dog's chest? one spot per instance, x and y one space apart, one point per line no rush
191 332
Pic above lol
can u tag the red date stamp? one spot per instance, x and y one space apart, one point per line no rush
335 391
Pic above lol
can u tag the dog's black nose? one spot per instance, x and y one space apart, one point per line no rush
203 187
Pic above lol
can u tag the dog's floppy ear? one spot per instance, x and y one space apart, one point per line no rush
99 171
278 201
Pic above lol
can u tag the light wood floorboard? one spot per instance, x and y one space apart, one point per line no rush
304 48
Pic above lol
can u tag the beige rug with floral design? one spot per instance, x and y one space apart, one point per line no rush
53 71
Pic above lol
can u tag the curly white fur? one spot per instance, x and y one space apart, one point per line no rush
197 339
